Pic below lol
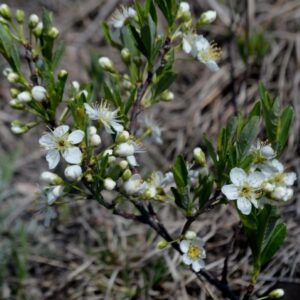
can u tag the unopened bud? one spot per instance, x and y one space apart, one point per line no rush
92 130
162 244
207 17
20 16
62 74
106 64
184 11
150 193
37 31
276 294
122 136
126 175
199 156
16 104
73 172
13 77
14 92
38 93
5 11
109 184
126 56
50 177
18 127
33 21
53 33
190 235
95 140
24 97
167 96
123 164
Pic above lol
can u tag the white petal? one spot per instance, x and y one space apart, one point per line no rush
132 161
76 137
47 141
184 246
244 206
277 165
61 130
92 113
72 155
197 265
186 260
254 202
289 178
212 65
52 158
256 179
51 198
238 176
230 191
186 46
116 126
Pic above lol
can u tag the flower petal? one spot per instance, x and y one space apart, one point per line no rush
198 265
116 126
132 161
289 178
277 165
76 137
61 130
238 176
244 206
72 155
47 141
184 246
52 158
92 113
256 179
186 260
230 191
212 65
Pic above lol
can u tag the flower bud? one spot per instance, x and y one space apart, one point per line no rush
16 104
268 187
276 294
50 177
111 159
108 152
167 96
14 92
122 136
18 127
207 17
126 175
95 140
20 16
162 244
24 97
5 11
58 191
76 86
12 77
199 156
53 32
33 21
126 56
37 31
109 184
190 235
124 150
73 172
184 11
279 193
106 64
123 164
7 71
150 193
62 74
92 130
38 93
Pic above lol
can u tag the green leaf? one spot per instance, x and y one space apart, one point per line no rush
113 41
180 172
164 82
285 123
206 187
58 54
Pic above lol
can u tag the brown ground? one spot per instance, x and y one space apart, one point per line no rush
87 253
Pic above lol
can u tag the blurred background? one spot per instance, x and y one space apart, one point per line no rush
86 253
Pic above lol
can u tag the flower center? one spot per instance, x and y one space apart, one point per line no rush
278 178
213 52
62 143
246 191
194 252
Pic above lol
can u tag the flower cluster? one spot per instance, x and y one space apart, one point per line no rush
266 181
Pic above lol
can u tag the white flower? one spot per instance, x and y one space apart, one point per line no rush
60 142
184 7
190 235
109 184
73 172
24 97
134 185
262 153
102 114
193 253
246 189
154 129
121 15
208 17
38 93
53 193
125 149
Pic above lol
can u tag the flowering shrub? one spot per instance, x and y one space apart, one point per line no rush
241 170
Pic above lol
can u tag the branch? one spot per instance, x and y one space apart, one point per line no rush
136 109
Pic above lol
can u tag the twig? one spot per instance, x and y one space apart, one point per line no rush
136 109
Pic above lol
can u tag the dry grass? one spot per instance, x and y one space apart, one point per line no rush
90 254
